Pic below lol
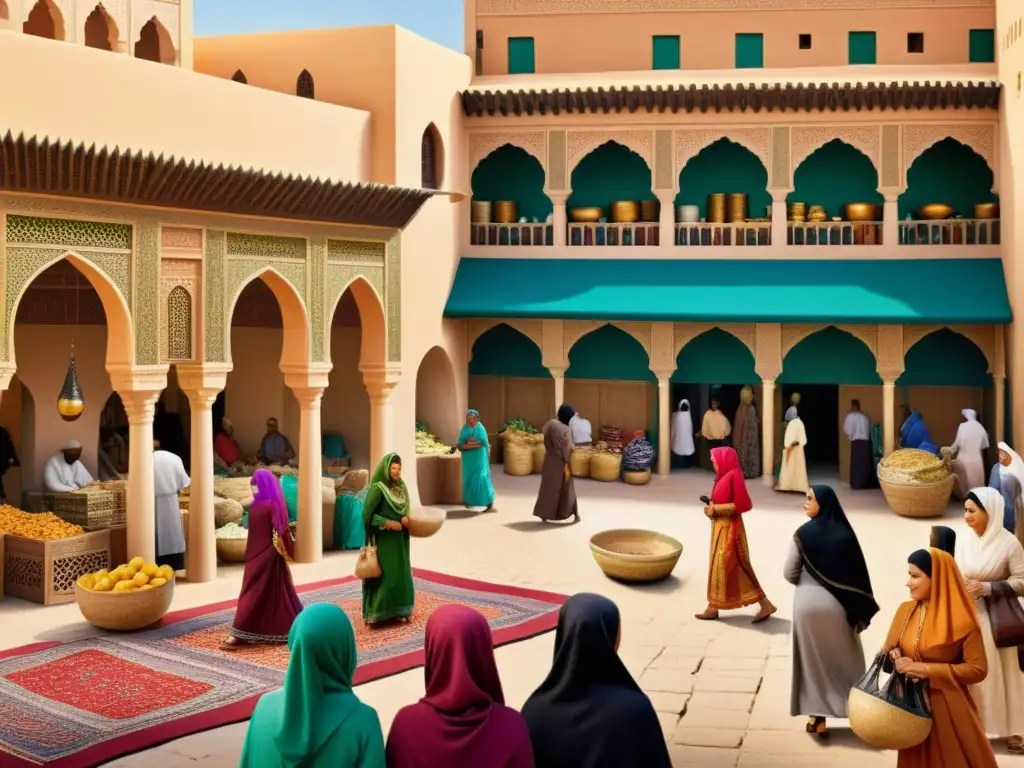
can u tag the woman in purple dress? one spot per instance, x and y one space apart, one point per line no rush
268 604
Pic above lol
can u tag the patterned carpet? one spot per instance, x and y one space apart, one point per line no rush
77 704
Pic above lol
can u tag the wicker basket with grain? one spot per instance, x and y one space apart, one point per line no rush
231 550
605 466
915 483
635 555
579 462
518 458
643 477
226 511
125 611
539 452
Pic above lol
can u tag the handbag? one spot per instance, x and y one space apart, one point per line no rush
368 565
895 714
1006 615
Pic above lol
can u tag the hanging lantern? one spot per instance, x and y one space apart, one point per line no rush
71 401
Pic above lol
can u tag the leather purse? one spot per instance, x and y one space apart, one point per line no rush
1006 615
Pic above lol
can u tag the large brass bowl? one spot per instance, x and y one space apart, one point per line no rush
585 215
635 555
935 211
861 212
625 211
986 211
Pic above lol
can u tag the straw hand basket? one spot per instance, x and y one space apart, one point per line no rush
892 715
424 522
579 463
605 467
518 459
643 477
918 499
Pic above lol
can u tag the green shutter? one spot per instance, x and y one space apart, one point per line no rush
666 52
983 46
862 48
749 51
520 56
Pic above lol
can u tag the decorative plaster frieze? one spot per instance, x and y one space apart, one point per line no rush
805 141
582 143
690 142
983 337
918 137
483 143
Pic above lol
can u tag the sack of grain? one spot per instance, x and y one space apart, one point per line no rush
518 458
226 511
539 452
910 466
605 466
579 462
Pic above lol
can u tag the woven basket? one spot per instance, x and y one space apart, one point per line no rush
605 467
231 550
579 463
125 611
424 522
918 499
643 477
539 452
518 459
635 555
883 725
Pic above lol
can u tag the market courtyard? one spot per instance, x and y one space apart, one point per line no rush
722 688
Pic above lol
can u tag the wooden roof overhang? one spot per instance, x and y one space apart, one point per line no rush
734 97
67 169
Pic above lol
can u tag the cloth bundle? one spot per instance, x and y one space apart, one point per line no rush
638 455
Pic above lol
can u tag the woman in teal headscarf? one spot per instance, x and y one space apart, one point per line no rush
477 490
316 719
386 516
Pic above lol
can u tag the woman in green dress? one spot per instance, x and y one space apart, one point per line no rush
477 491
316 719
386 516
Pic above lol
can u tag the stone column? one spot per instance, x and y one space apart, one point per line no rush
558 374
999 391
309 546
768 419
380 380
664 425
667 219
891 219
201 384
559 218
780 233
888 416
141 501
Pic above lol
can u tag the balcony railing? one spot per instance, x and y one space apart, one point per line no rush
950 232
600 233
708 234
834 233
511 234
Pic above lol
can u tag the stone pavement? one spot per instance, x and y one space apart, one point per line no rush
721 688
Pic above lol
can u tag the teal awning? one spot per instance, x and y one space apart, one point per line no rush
908 291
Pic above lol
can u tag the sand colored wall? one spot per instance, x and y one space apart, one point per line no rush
177 112
255 388
598 42
346 404
500 398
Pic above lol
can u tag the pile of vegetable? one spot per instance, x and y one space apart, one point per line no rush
638 455
910 466
519 425
428 445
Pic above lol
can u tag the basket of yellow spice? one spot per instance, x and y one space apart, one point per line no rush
915 483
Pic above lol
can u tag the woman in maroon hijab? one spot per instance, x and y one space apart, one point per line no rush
463 720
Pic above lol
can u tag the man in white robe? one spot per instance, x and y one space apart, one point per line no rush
582 430
793 475
169 479
969 460
857 427
683 447
64 470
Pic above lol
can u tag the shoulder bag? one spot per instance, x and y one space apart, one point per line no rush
368 565
1006 615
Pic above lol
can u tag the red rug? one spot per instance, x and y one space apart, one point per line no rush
78 704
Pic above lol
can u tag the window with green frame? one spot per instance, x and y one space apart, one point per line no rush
862 48
749 50
982 46
521 56
667 52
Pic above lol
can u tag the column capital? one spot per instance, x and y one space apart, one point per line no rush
556 371
7 371
381 376
140 405
889 377
308 376
202 377
557 198
663 374
138 378
779 195
768 373
308 397
891 194
767 382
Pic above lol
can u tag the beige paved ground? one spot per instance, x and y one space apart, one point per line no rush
722 689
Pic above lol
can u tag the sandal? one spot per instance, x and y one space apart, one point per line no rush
709 615
816 725
763 615
232 643
1015 745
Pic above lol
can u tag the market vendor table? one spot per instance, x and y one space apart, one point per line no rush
439 478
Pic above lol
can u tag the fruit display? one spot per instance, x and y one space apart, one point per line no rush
133 576
428 445
44 526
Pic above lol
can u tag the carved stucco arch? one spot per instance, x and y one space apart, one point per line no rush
120 329
686 332
805 141
983 337
372 321
582 143
483 144
574 330
295 346
794 334
690 142
919 137
531 329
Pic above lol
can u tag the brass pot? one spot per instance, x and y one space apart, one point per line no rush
625 211
504 212
986 211
797 211
480 212
716 208
585 215
861 212
736 207
650 211
935 211
817 216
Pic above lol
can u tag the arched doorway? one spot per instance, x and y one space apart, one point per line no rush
304 86
45 20
943 373
101 30
829 368
609 381
431 159
356 340
154 43
508 380
610 173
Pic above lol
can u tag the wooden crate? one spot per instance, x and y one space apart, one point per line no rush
93 510
120 490
46 571
1 566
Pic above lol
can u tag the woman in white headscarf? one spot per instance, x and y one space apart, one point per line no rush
1010 468
991 559
682 435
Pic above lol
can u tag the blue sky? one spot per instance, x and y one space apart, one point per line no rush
437 20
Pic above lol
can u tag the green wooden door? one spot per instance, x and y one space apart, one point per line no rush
521 56
749 50
862 48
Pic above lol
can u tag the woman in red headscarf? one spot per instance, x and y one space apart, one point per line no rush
462 719
731 580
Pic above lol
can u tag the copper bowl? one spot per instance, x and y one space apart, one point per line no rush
650 211
861 212
585 215
625 211
986 211
504 212
935 211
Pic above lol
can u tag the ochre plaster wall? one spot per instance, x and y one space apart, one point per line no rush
346 404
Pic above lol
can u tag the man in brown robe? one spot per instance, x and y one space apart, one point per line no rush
556 499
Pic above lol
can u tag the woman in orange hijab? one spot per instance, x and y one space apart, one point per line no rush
935 636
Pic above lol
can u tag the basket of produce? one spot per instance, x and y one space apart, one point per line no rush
579 462
226 511
636 477
605 467
539 452
424 522
42 526
915 483
130 597
518 458
428 445
231 542
635 555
